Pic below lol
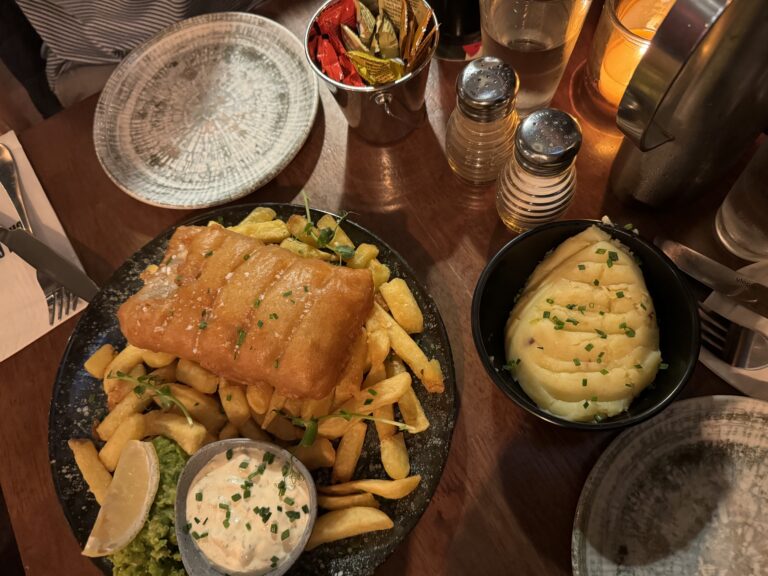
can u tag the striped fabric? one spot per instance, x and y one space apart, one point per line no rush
87 32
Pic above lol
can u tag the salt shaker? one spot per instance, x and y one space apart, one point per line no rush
537 184
479 137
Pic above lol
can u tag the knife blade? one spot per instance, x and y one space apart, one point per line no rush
739 288
47 260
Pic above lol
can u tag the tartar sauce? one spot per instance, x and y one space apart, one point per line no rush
247 509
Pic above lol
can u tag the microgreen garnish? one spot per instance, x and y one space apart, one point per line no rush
310 424
154 384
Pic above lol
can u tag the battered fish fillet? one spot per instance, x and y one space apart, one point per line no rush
250 312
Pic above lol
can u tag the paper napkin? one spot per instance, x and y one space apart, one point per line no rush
23 310
753 383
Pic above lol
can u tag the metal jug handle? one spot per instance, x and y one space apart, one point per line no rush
676 40
386 101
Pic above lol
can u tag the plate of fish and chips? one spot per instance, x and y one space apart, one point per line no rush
375 433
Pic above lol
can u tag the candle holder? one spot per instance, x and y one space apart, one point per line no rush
623 34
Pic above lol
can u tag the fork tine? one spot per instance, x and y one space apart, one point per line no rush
59 302
715 322
67 302
50 300
712 333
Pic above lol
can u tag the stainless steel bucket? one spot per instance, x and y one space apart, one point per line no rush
380 114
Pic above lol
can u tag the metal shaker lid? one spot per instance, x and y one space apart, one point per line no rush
486 89
547 141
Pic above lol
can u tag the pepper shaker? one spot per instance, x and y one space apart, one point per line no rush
537 184
479 137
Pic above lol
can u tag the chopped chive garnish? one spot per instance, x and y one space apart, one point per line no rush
197 536
577 361
188 527
570 306
203 325
628 226
292 515
550 301
582 267
199 496
368 401
596 282
257 303
643 306
286 469
248 526
244 464
277 362
600 251
226 523
279 508
582 309
273 528
240 337
663 366
601 333
619 294
223 505
285 534
609 263
287 293
546 314
274 561
260 323
197 520
236 497
260 470
306 288
246 493
628 384
603 371
613 256
208 254
305 509
265 514
586 404
602 313
639 366
290 501
572 321
281 488
246 256
630 333
273 316
583 381
268 457
229 399
372 391
589 347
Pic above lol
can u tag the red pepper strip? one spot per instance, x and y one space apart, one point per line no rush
328 60
312 47
338 45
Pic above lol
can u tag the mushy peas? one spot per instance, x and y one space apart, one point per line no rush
582 339
247 509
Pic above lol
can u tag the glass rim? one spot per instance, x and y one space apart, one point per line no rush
610 6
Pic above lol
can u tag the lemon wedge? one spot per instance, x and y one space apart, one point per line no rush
127 502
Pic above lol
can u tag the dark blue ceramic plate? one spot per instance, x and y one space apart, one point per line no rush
78 400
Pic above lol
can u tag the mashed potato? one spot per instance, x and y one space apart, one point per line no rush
582 340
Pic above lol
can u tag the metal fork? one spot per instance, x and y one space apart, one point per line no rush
59 300
734 344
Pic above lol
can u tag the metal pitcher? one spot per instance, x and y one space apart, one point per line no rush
385 114
696 102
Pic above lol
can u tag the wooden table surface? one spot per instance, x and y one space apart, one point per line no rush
506 501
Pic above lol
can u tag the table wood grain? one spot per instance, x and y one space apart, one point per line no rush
506 500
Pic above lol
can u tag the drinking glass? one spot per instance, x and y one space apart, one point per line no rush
742 220
536 38
623 34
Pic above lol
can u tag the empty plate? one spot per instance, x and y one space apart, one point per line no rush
205 112
683 493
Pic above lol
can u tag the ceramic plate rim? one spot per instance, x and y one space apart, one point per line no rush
201 21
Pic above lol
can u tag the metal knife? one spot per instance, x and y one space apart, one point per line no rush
740 289
43 258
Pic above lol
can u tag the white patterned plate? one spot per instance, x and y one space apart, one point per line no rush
685 493
206 112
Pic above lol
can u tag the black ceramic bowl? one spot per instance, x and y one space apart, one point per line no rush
506 274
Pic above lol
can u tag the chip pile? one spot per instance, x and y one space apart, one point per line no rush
372 42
